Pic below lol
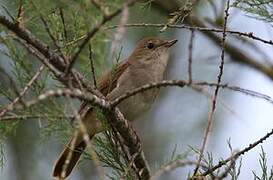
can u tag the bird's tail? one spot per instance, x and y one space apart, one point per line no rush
65 164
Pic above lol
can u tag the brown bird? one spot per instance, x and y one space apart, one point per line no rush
145 65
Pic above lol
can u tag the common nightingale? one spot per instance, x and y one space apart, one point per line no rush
145 65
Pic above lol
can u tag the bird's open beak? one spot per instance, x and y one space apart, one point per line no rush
170 43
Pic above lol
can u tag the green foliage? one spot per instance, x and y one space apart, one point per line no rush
109 154
267 173
260 9
67 22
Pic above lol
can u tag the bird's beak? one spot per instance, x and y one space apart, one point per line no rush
169 43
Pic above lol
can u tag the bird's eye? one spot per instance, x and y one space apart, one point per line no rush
150 45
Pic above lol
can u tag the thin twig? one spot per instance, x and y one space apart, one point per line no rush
30 39
54 40
92 66
91 33
190 56
250 35
241 90
20 12
146 87
24 91
214 98
78 80
36 53
236 155
182 83
26 117
228 168
63 23
9 14
47 28
174 165
75 93
121 30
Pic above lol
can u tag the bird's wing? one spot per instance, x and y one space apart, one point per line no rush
109 79
107 82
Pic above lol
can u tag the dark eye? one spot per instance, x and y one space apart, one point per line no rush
150 45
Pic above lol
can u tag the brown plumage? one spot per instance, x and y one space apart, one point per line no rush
146 64
108 78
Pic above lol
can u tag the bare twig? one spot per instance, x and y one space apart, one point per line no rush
121 30
47 28
26 117
25 35
250 35
43 59
55 66
24 91
63 22
239 89
76 93
190 56
237 55
214 98
20 12
54 40
9 14
182 83
227 170
174 165
92 66
236 155
91 33
146 87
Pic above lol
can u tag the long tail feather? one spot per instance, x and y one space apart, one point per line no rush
62 169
